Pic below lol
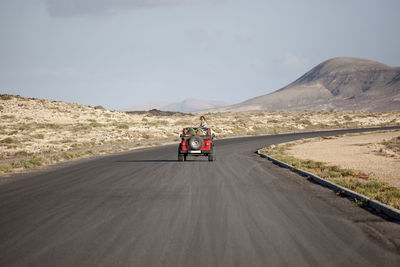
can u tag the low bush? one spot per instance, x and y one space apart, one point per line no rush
7 117
123 126
305 122
6 97
99 107
29 163
8 140
5 167
22 154
52 126
393 144
96 124
39 136
24 127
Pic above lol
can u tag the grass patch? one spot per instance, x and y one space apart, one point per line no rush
36 161
306 122
123 126
7 117
53 126
70 155
393 144
258 130
5 167
80 127
66 141
96 124
347 118
146 136
24 127
29 163
154 123
239 130
22 154
352 179
185 123
74 155
8 140
39 136
373 189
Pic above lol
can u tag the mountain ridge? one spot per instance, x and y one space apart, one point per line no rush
187 105
342 83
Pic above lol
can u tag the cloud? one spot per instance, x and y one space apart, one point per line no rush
259 66
242 39
203 35
66 8
64 72
294 62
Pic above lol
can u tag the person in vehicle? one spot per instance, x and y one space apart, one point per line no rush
203 124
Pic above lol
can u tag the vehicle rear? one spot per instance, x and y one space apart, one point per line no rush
196 142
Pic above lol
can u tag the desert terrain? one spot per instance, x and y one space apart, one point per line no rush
38 132
367 163
366 152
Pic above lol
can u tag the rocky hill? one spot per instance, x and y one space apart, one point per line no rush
338 83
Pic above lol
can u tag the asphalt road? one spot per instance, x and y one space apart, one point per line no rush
143 208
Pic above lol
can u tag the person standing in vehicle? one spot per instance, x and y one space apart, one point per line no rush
203 123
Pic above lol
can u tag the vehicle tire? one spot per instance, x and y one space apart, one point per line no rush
181 157
195 142
212 155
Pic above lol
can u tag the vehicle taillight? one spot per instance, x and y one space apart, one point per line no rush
184 145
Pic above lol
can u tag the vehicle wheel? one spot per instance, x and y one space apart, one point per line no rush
181 157
195 143
212 156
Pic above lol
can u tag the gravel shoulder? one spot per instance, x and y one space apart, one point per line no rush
364 152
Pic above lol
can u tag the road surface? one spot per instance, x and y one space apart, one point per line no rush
143 208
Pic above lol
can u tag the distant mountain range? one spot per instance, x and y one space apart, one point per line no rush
187 105
338 83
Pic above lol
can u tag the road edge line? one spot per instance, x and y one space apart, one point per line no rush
374 204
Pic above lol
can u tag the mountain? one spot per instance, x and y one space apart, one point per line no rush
187 105
338 83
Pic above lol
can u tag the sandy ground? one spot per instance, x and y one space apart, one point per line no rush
361 152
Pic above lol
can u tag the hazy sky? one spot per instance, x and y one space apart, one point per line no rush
120 53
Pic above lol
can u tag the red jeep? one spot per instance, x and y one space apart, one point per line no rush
196 142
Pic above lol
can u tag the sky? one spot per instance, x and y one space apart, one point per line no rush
123 53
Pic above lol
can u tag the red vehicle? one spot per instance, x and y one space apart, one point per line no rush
196 142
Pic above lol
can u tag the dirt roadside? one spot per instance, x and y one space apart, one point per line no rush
365 152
